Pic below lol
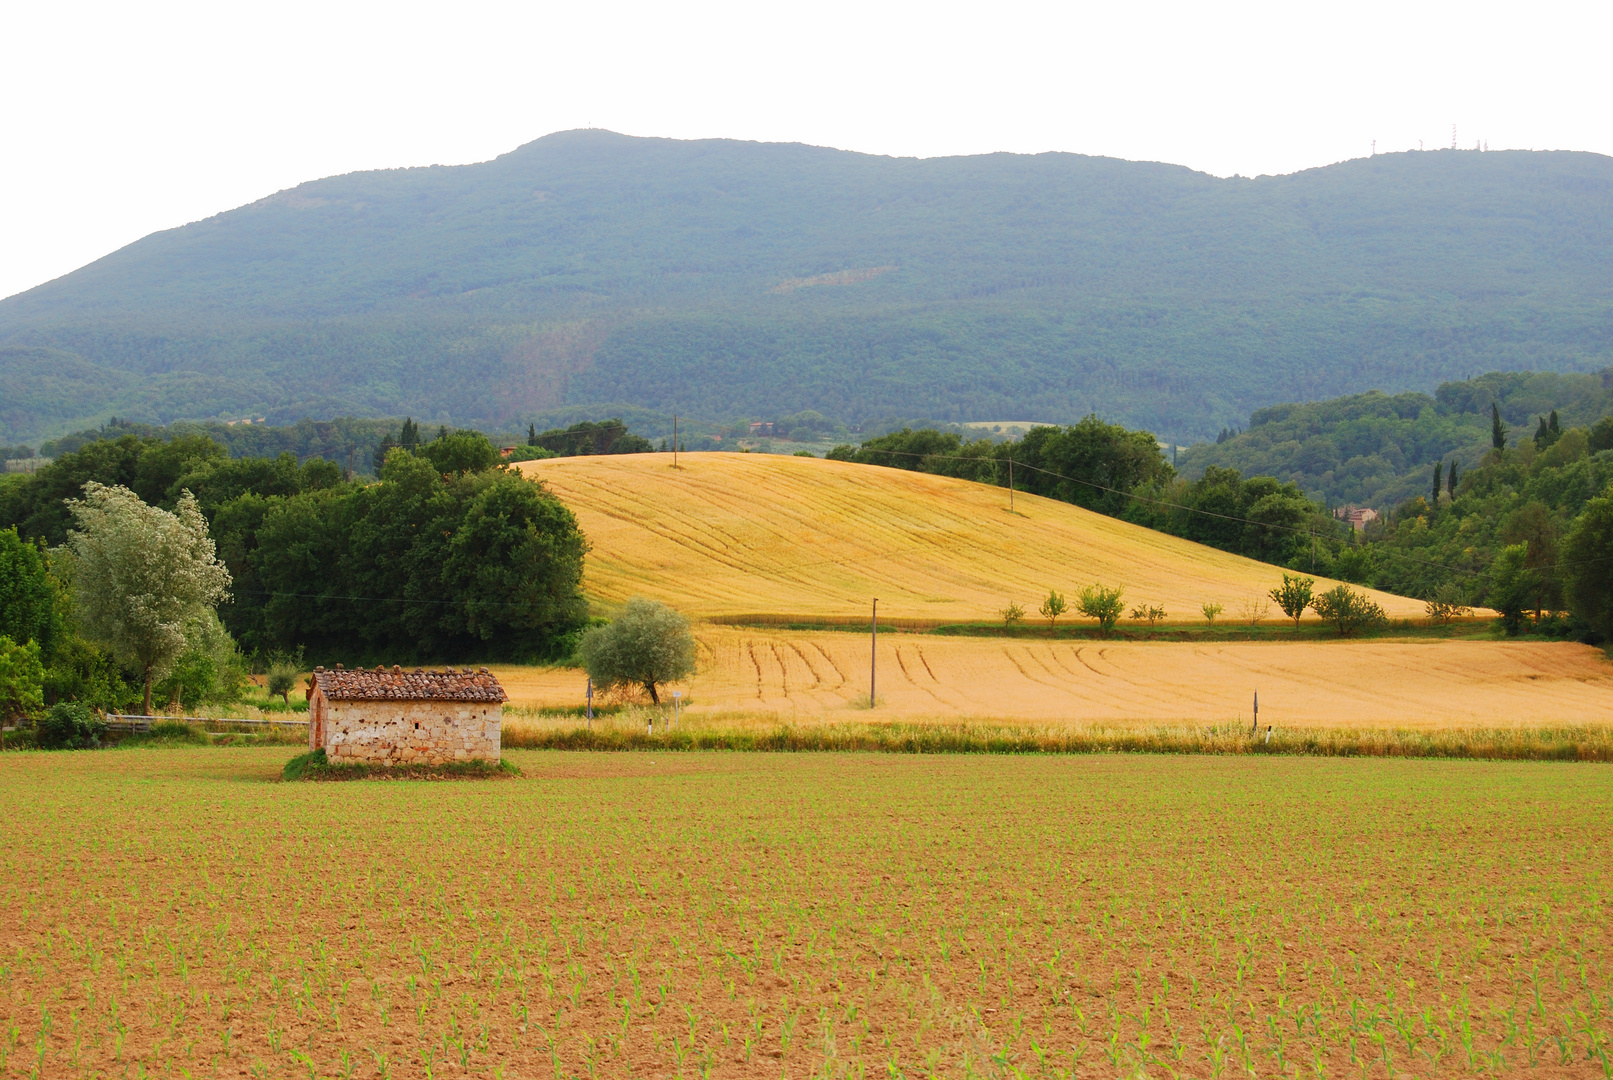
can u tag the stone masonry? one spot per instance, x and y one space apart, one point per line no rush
397 717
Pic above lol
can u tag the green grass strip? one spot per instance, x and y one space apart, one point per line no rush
1584 744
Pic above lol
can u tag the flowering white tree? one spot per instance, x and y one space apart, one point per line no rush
142 575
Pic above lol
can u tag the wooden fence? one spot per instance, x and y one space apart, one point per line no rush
132 723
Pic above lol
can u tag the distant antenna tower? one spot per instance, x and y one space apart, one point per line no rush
1374 147
1453 136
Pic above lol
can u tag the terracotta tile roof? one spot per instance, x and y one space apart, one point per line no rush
396 684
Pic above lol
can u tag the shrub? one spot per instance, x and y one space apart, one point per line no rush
1447 604
1293 596
1012 614
1149 612
1102 603
1349 611
1253 609
1210 612
69 725
529 453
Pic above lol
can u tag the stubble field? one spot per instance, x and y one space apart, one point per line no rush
177 913
746 534
815 678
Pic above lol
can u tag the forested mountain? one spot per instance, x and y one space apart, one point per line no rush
596 272
1378 449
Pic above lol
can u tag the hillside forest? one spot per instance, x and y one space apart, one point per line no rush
597 273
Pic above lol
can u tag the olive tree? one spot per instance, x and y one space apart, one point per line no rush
142 576
649 645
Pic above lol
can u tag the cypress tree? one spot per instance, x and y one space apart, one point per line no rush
1439 469
532 434
410 438
1450 481
1542 436
1498 431
1552 427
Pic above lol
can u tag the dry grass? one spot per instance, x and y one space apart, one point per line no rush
809 678
736 534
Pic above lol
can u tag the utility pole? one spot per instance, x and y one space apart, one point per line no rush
1256 728
873 652
1010 483
674 440
590 703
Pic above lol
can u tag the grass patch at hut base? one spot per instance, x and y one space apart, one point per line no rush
316 766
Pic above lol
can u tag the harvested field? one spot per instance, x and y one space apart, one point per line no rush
822 678
175 913
736 534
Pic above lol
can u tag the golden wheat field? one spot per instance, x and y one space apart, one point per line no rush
822 677
747 534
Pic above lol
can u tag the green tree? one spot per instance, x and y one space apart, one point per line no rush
1498 430
282 681
648 646
1293 596
22 680
461 452
1439 467
409 438
1053 607
1349 611
1588 565
1099 602
1513 586
1450 481
28 604
141 576
384 447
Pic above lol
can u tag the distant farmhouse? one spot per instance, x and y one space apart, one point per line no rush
1359 517
396 717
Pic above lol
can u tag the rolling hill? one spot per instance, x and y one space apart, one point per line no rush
731 535
589 271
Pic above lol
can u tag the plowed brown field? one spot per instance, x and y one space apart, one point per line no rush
821 677
730 534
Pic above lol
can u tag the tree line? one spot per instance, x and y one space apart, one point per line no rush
447 556
1528 530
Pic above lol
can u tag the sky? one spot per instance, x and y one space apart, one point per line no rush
118 119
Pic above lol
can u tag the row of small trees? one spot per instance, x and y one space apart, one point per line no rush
1348 610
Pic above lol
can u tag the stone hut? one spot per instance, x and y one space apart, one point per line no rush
392 716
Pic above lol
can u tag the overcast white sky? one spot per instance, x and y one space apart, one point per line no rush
119 119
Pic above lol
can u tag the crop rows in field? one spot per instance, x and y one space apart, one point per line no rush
733 534
806 677
172 913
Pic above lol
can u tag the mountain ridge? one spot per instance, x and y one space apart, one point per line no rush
593 267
